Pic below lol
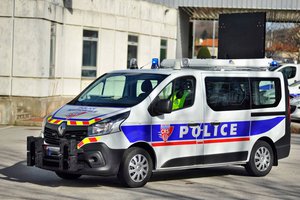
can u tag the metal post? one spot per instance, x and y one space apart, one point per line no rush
214 36
194 27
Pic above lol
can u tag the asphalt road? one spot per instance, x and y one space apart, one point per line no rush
17 181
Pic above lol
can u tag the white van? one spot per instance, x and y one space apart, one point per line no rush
130 123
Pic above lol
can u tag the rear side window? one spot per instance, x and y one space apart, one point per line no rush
266 92
227 93
233 93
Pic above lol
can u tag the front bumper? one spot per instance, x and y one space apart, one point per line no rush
91 159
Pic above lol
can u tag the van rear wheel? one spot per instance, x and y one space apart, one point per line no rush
67 176
261 159
136 167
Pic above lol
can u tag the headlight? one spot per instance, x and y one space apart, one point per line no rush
102 128
109 125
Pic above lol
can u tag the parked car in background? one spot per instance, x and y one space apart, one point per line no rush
290 71
295 108
294 89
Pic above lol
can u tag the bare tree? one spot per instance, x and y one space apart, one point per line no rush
283 38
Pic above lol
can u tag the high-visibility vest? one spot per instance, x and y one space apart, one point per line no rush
179 102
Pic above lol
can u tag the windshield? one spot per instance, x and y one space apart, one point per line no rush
119 90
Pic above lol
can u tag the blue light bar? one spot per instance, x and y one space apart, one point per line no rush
155 63
274 63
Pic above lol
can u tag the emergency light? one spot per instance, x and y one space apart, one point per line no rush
155 63
274 63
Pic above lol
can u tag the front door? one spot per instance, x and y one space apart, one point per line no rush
173 135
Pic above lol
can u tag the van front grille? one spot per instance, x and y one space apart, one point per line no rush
51 136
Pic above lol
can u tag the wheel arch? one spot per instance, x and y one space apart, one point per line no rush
271 143
147 148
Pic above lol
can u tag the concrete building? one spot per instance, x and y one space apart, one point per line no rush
50 50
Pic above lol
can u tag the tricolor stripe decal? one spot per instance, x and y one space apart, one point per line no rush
88 140
73 122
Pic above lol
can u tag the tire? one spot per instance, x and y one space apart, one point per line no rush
261 159
136 167
67 176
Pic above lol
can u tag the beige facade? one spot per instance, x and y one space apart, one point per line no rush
30 86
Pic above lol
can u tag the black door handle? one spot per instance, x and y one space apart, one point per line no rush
193 124
215 123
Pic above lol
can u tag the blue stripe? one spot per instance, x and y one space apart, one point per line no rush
266 87
295 95
262 126
136 133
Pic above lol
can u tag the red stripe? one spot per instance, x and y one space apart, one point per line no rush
80 144
173 143
56 121
85 123
97 119
159 144
227 140
73 122
93 139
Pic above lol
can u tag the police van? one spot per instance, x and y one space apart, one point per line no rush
180 115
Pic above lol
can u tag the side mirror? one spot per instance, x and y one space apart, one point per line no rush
161 107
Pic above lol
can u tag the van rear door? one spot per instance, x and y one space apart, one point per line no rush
268 107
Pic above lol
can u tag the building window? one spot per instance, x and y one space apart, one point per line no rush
52 50
132 48
89 53
163 49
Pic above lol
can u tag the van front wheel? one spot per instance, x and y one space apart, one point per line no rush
136 167
261 159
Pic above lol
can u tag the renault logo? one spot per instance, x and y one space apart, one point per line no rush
61 129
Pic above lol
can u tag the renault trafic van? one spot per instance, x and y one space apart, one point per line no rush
131 123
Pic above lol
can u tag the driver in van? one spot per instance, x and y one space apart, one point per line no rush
180 95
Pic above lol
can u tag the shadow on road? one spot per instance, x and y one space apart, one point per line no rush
20 172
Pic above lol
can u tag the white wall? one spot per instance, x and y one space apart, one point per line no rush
113 19
106 56
5 46
31 48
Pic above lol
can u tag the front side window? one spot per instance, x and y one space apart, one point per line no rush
181 92
227 93
89 53
119 89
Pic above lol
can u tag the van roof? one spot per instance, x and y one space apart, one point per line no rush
168 71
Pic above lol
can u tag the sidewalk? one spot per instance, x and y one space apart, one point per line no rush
35 121
295 128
